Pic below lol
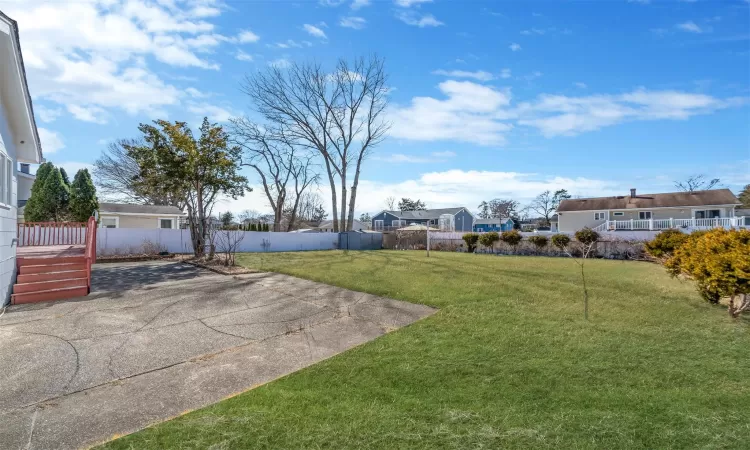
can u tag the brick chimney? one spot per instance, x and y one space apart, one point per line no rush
632 193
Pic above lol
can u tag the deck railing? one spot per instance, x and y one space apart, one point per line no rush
90 253
33 234
663 224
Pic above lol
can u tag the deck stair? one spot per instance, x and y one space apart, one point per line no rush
58 271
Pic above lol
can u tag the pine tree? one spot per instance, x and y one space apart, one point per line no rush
32 212
252 227
55 197
745 197
83 201
65 178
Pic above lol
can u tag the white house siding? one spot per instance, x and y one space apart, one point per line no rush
8 216
574 221
127 221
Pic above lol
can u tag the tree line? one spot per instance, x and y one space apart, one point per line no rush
55 199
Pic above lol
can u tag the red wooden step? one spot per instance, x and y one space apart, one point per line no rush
44 268
52 294
35 261
47 276
38 286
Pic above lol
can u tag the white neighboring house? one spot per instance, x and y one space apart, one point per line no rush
124 215
698 210
19 142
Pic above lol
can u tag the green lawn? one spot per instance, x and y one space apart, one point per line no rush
508 361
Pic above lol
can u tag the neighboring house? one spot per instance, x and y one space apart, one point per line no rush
25 181
743 213
19 142
498 225
553 223
122 215
463 220
327 226
688 210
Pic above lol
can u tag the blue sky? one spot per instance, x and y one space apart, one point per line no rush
489 99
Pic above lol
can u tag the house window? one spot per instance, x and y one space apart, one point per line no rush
166 223
708 214
379 224
108 222
5 179
618 214
644 215
9 180
600 216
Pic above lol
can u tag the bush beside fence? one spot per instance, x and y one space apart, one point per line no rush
608 247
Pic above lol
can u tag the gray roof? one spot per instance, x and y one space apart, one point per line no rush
426 214
670 199
492 221
138 209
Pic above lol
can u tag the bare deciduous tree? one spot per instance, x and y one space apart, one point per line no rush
115 173
697 183
339 114
283 166
390 203
546 203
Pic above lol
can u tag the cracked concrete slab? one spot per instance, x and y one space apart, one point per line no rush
156 339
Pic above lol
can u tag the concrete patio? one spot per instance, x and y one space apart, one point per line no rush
157 339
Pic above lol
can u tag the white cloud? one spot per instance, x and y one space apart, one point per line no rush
242 56
47 115
690 27
534 31
580 85
434 157
410 3
289 43
280 63
556 115
357 4
514 47
51 141
314 31
356 23
247 36
421 21
482 115
71 167
100 63
93 114
213 112
505 73
470 113
480 75
195 93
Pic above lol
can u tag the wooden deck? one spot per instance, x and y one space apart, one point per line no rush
51 251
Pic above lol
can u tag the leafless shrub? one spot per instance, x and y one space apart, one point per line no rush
227 242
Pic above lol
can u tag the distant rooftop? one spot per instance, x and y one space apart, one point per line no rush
128 208
425 214
640 201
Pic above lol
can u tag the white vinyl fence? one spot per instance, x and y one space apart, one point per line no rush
120 241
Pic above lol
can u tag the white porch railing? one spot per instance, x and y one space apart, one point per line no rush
663 224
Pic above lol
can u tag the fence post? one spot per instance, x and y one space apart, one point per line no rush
651 224
428 241
671 222
631 224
